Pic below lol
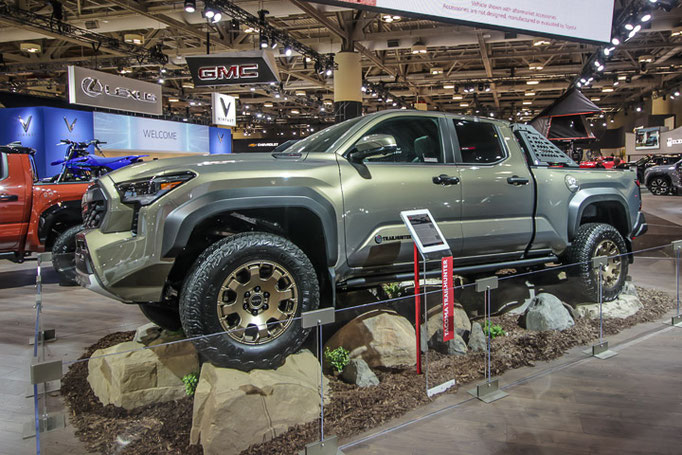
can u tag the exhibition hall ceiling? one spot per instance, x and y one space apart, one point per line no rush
450 67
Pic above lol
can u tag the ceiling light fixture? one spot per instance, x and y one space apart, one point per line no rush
190 6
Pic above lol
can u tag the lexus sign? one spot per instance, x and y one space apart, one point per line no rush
97 89
253 67
224 110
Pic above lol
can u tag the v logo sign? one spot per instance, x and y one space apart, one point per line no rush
220 138
226 107
25 124
70 126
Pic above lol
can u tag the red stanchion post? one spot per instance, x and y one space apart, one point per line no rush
417 308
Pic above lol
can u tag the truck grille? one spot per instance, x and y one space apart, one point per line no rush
93 207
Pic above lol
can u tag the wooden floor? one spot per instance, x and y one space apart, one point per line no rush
630 404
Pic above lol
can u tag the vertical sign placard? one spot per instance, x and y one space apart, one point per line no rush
224 109
448 303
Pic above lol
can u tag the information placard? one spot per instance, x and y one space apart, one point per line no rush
425 232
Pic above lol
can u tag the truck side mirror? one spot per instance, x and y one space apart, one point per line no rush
372 145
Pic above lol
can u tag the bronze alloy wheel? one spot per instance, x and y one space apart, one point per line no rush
260 298
613 268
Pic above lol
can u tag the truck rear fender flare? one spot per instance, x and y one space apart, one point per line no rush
181 222
585 198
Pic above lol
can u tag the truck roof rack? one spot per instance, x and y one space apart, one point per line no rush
541 149
17 148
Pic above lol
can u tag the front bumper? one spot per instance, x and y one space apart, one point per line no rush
115 265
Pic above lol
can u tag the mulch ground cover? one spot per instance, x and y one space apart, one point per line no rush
164 427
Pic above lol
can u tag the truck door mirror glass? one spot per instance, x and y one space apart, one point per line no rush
373 145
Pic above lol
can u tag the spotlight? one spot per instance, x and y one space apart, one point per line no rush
264 42
273 43
217 16
646 17
328 72
287 50
615 41
208 13
190 6
639 109
677 93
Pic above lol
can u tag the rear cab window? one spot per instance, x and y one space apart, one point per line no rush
479 142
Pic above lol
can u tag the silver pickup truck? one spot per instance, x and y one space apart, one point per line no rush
243 244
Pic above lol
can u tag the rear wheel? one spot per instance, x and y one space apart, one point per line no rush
594 240
659 186
246 292
63 256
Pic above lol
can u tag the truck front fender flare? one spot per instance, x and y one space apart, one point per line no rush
182 220
585 198
69 211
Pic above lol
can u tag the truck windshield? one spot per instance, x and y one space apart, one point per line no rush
323 140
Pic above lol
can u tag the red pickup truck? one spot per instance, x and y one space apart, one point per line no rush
34 216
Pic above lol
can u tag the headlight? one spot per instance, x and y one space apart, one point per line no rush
147 190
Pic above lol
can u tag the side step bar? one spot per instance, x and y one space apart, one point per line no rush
360 283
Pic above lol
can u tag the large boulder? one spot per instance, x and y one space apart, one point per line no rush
547 312
456 346
382 338
234 409
624 306
128 376
359 373
477 339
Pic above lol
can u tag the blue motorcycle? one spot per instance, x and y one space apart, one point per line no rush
79 165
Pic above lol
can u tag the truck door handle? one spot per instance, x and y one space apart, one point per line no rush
8 197
516 180
444 179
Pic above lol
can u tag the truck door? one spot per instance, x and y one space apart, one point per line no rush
497 190
16 183
417 172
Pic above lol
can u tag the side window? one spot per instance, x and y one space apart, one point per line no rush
478 142
417 138
3 166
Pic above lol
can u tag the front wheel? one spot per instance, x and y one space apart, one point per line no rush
659 186
245 294
594 240
63 256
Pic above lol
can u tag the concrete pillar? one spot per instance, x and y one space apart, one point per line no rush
347 86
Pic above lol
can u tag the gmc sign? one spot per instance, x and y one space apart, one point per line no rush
254 67
213 73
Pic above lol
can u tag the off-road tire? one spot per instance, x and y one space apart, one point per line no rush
165 316
582 251
63 256
659 185
199 296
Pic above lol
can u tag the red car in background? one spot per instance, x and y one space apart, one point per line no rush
607 162
34 216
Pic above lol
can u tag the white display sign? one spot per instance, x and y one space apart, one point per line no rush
97 89
224 109
425 232
586 20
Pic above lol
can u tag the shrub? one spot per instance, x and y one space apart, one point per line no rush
494 330
338 358
392 290
190 380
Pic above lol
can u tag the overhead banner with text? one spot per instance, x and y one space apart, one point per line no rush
252 67
97 89
583 20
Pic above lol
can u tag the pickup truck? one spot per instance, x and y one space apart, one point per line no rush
240 245
35 216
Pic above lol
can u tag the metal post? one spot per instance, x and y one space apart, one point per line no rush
426 325
319 347
677 246
601 349
489 390
417 309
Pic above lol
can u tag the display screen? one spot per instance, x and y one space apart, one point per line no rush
647 138
425 230
586 20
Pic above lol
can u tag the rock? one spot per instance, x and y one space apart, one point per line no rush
142 376
382 338
547 312
461 320
477 339
629 289
234 409
147 333
456 346
624 306
359 373
511 294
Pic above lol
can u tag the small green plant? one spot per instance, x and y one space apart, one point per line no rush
493 330
392 290
338 358
191 380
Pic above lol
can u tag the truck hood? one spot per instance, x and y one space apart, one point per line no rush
206 163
